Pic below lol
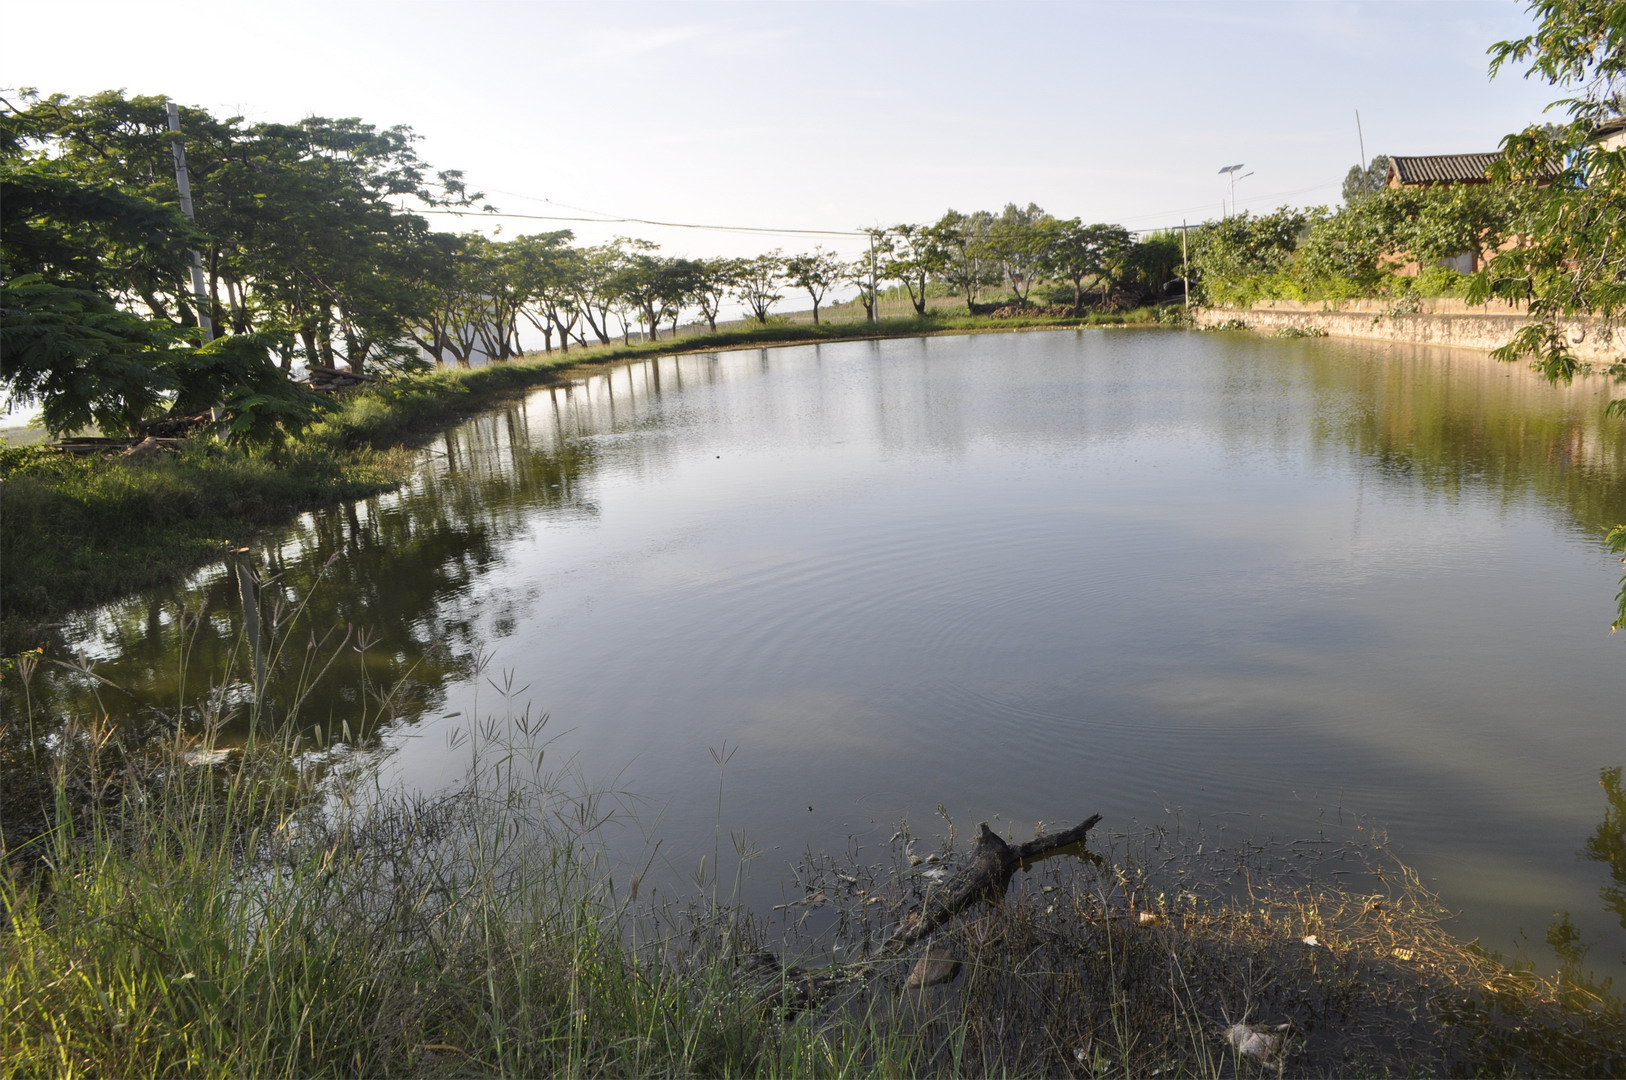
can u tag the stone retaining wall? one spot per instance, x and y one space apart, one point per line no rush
1431 322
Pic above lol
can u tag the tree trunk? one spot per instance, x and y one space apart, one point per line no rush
239 309
217 313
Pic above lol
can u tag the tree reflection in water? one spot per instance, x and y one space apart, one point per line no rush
367 608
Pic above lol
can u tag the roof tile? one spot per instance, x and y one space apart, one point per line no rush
1443 168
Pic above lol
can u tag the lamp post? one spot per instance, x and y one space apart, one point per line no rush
1230 170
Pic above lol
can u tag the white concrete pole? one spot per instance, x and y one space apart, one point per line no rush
200 298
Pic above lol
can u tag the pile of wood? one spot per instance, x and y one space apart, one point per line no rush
1017 311
174 427
331 380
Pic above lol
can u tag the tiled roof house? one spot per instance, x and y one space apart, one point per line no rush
1440 169
1435 170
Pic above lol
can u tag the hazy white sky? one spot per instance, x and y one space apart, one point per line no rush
828 115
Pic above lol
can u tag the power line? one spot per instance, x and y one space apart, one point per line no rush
1205 206
646 221
613 219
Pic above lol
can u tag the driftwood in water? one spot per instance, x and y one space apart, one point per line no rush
985 879
993 862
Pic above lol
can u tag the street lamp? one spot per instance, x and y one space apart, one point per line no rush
1231 171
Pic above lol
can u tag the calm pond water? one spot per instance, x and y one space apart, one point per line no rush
1270 584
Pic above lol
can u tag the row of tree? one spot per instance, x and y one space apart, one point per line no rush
486 290
1020 248
309 257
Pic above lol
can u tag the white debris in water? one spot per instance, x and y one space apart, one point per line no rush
1258 1042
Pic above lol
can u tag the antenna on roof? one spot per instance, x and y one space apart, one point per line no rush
1362 135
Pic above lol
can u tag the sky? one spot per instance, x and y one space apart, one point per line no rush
827 115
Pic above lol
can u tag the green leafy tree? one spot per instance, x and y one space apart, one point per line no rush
236 374
1230 257
1019 239
297 223
304 250
659 288
594 284
82 358
1358 250
1360 182
1077 251
911 255
495 290
1153 263
543 265
715 281
968 263
441 327
862 274
74 254
816 272
757 283
1570 260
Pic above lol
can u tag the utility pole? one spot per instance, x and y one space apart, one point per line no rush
874 287
200 298
1185 262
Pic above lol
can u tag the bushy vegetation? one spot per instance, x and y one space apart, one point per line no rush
1390 242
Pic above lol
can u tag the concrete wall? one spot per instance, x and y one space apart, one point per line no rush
1433 322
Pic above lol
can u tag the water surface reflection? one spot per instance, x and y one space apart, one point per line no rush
1027 576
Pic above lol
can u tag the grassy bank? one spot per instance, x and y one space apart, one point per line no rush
192 917
76 532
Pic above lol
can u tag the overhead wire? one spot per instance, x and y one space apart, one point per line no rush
645 221
607 218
